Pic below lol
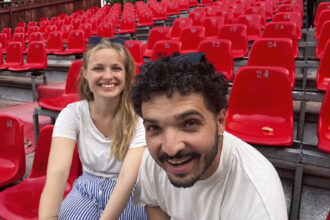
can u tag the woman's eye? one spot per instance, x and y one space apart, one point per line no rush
117 68
98 68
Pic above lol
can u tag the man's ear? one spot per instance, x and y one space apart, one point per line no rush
221 120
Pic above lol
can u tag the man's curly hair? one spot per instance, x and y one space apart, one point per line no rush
168 75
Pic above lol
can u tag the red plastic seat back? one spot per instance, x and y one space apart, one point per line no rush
127 23
324 37
36 53
35 36
59 24
3 41
71 85
178 26
7 31
19 37
323 72
290 16
19 30
273 52
12 147
258 10
48 29
32 29
268 6
283 30
237 34
197 17
87 29
165 48
213 25
290 8
253 25
1 57
259 110
156 34
324 124
322 6
43 25
76 40
14 53
135 48
324 16
66 29
191 37
105 29
218 52
76 23
55 41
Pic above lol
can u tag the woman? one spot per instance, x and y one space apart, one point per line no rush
110 139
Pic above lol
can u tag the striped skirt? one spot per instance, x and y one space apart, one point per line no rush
89 196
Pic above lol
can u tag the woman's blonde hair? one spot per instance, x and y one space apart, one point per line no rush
124 123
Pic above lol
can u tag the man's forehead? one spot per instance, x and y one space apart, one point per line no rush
173 105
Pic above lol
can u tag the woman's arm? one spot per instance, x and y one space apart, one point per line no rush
59 164
155 213
125 183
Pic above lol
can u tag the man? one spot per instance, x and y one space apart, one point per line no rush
193 169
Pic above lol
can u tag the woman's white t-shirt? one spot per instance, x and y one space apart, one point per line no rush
75 122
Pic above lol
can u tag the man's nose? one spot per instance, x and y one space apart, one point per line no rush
172 142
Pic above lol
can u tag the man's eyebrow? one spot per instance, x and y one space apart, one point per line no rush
150 121
187 114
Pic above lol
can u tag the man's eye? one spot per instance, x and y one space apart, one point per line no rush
191 123
152 128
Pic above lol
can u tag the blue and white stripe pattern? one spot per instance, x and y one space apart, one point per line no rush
88 198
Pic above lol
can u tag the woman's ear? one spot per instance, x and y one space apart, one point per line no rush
84 72
221 120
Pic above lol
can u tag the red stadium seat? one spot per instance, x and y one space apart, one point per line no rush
36 58
253 25
54 42
322 6
14 56
228 15
70 92
12 155
156 34
237 34
178 26
165 48
7 31
324 37
259 110
3 42
274 52
268 6
323 72
135 48
197 17
290 16
258 10
286 29
59 24
43 25
127 25
35 36
191 37
324 16
290 8
105 29
76 44
48 29
218 52
324 124
22 201
212 26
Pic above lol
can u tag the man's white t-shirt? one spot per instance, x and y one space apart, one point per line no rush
244 186
75 122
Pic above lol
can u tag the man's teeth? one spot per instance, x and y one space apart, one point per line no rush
108 85
175 162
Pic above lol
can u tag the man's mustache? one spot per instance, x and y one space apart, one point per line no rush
164 156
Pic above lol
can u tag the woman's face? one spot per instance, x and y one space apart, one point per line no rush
105 73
